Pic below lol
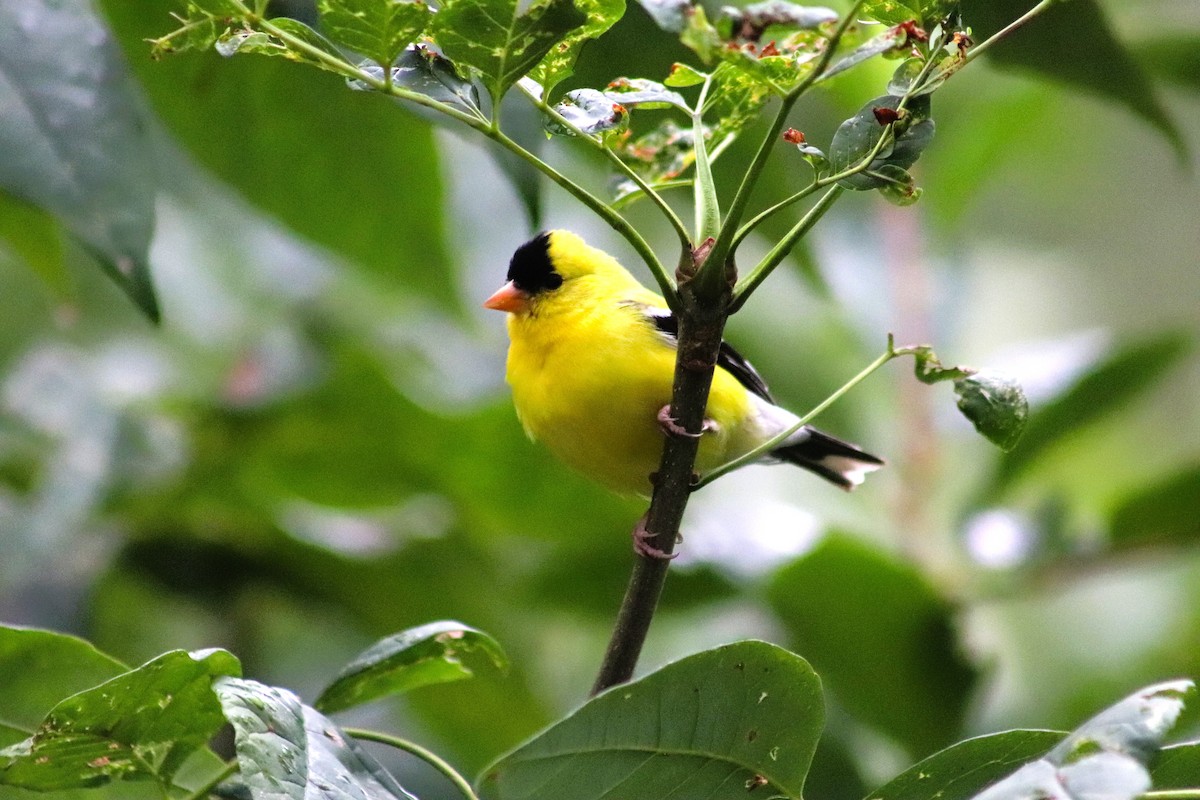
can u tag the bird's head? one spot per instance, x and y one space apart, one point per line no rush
547 266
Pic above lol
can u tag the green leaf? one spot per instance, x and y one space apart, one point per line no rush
239 119
899 187
84 161
1074 44
739 718
844 593
996 406
856 138
430 654
735 99
142 724
559 63
963 769
378 29
40 668
642 93
1106 756
1108 386
1165 513
289 751
499 41
682 76
276 43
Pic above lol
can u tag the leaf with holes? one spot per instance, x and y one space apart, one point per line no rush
558 64
498 40
378 29
141 724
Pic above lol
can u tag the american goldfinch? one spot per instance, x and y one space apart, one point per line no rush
591 362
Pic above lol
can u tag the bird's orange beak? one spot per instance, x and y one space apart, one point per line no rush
508 298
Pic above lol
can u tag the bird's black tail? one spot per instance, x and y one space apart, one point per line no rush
834 460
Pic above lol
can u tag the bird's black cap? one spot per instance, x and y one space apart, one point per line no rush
530 268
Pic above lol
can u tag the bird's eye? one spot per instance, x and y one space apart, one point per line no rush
554 280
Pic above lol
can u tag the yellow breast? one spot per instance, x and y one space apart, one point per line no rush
588 379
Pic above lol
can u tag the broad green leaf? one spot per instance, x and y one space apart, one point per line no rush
439 652
856 138
1177 767
198 31
40 668
1105 388
141 724
34 237
1105 757
558 64
1166 513
963 769
1073 43
844 593
240 118
740 718
752 22
996 406
73 136
499 40
735 99
288 751
378 29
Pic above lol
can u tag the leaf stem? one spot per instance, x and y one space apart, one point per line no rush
204 791
769 445
746 229
784 246
428 756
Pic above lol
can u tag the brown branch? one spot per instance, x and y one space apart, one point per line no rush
701 325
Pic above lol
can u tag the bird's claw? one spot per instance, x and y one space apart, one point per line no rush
671 427
641 543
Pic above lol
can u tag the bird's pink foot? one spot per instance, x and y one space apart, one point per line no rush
671 427
642 546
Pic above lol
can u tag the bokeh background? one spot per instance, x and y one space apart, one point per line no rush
316 448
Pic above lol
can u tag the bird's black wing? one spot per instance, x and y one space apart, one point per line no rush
731 360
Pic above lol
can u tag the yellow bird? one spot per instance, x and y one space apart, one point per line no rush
591 362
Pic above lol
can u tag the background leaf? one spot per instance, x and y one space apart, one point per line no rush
857 613
76 138
1074 44
240 119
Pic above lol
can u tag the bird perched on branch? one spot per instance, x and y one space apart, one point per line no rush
591 364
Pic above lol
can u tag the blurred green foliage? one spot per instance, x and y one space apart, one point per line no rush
315 449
